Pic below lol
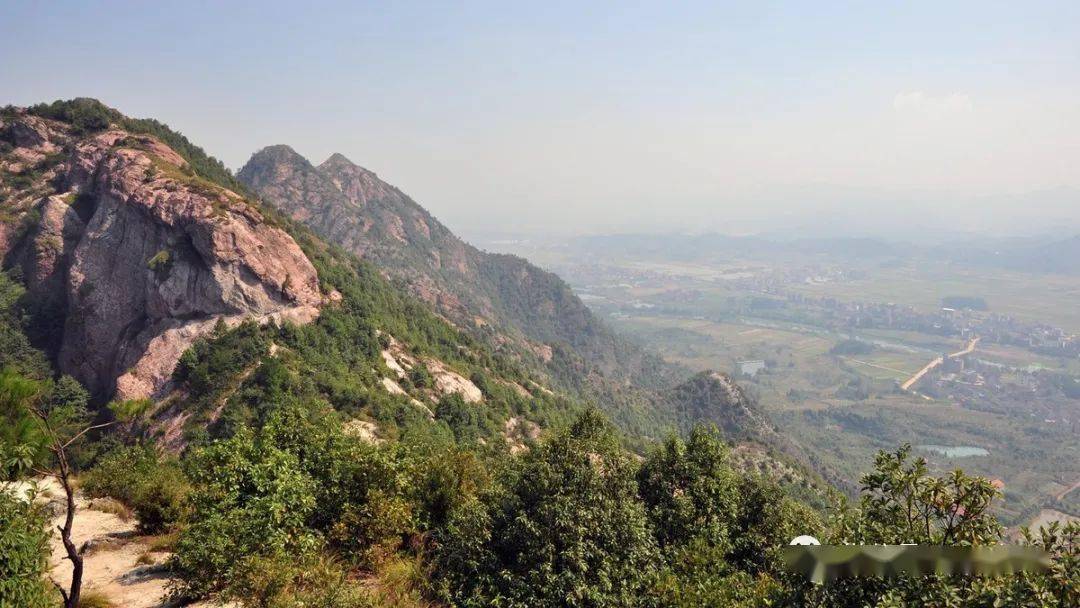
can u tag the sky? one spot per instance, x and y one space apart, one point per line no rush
570 117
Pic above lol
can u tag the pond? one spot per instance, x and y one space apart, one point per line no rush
956 451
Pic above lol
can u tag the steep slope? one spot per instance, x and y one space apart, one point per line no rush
717 399
504 297
128 253
501 300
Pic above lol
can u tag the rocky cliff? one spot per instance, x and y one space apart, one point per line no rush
133 253
502 297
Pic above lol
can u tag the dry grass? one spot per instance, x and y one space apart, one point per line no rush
146 559
94 599
161 544
398 582
111 505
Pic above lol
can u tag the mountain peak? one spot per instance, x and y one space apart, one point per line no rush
279 152
337 159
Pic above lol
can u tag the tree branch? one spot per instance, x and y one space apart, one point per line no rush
85 431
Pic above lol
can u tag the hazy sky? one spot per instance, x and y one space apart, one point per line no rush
580 117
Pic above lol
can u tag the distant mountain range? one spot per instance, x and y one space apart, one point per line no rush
691 247
1049 256
1046 255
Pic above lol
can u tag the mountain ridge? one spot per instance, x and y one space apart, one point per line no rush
480 291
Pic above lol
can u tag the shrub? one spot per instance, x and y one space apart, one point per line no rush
467 421
160 262
251 500
421 377
24 545
117 473
161 499
155 488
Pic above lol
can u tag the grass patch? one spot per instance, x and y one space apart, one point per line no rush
94 599
146 559
399 582
163 543
111 505
161 261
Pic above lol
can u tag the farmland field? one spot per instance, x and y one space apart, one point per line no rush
1042 298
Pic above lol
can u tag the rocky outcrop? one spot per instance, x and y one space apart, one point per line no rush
143 256
445 380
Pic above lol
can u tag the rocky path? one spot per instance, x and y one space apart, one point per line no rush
112 560
120 564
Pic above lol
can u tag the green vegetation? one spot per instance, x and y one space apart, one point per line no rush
719 531
24 543
964 302
154 487
296 511
851 347
51 421
281 514
335 362
561 527
160 262
16 352
90 115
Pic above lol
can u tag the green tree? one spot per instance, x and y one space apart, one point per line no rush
719 530
252 500
24 545
902 502
563 528
48 425
690 490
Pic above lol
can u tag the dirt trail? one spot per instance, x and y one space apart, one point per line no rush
1060 495
110 564
938 361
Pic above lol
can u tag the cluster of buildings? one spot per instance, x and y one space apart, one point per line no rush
991 327
986 386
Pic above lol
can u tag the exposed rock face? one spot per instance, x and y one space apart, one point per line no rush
144 257
501 297
446 380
